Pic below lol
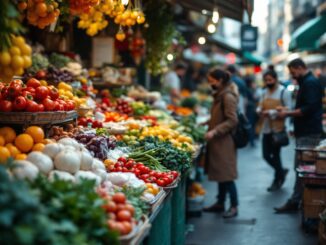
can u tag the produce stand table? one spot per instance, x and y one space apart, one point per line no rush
314 196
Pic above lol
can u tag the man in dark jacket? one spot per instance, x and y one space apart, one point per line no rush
307 120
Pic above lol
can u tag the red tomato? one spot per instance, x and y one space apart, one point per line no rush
137 172
119 198
82 121
20 103
14 90
49 105
160 182
40 74
175 174
70 105
41 93
41 107
4 93
124 215
32 106
130 208
110 206
127 227
152 179
17 81
122 159
144 176
54 94
31 90
5 106
167 180
34 83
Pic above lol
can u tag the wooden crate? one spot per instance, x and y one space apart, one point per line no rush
321 165
314 200
321 234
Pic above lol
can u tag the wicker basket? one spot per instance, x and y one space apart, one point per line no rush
37 118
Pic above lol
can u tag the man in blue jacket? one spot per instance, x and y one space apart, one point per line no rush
307 121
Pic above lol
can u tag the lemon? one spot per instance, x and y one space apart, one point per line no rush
5 58
17 62
26 49
14 50
18 41
27 61
19 71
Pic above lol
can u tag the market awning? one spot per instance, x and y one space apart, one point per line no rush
251 58
233 9
306 36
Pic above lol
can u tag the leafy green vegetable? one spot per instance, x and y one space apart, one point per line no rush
169 156
59 60
78 203
25 220
134 197
190 102
39 62
191 128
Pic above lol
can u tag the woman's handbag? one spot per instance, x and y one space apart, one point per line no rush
280 138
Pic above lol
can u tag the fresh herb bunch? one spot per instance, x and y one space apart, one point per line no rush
134 196
78 204
170 157
24 219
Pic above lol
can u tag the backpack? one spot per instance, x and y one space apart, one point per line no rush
241 133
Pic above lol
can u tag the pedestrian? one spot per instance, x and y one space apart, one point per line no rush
307 120
241 87
172 82
251 108
221 162
274 98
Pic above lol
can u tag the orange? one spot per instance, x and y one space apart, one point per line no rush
36 132
24 142
38 147
21 156
4 154
22 6
8 133
41 9
48 141
2 140
13 150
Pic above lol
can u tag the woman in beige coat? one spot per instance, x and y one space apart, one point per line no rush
221 163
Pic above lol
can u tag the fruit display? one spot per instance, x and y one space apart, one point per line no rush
15 58
88 122
123 107
99 146
17 146
56 75
143 172
40 13
139 108
120 212
196 189
32 97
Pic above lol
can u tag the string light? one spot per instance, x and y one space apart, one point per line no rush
125 2
211 28
201 40
215 16
170 57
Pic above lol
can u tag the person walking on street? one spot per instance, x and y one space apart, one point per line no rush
221 162
242 88
275 97
307 121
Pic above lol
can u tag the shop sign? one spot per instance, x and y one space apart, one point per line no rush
249 36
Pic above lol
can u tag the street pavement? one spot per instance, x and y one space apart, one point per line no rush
256 223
